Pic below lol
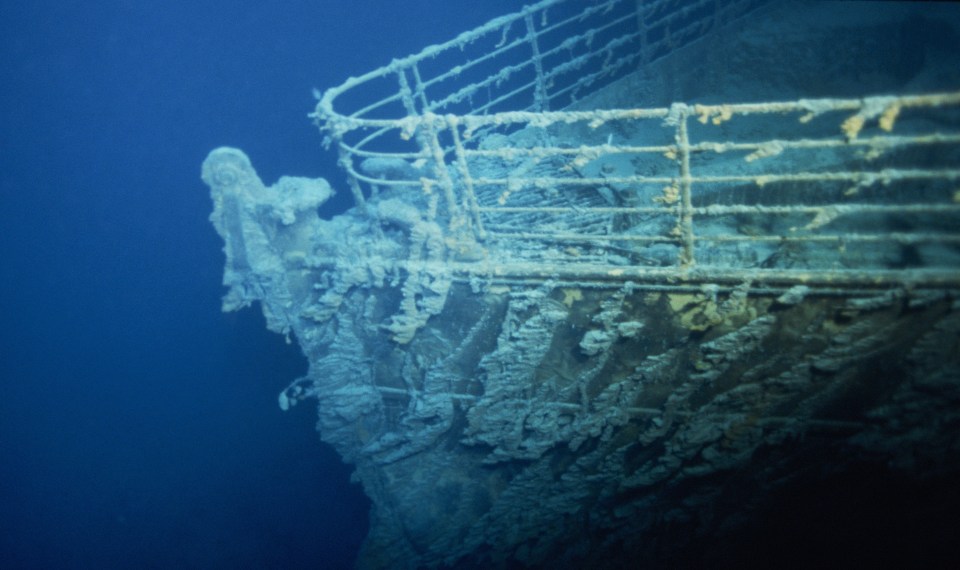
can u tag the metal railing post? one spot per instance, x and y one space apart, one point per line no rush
540 99
686 182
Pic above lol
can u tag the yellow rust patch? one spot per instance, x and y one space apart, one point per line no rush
571 296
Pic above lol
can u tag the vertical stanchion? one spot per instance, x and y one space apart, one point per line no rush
346 163
406 94
430 138
421 90
686 203
469 197
540 101
429 144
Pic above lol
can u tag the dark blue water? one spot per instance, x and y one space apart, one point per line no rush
138 424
